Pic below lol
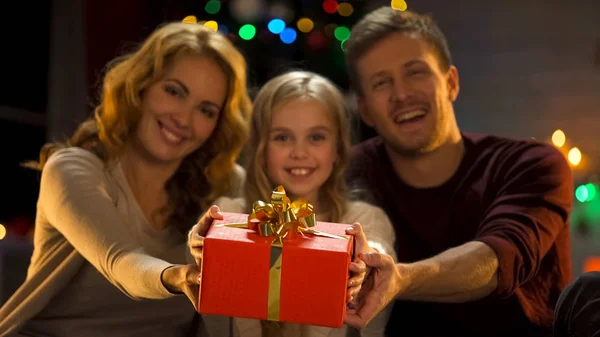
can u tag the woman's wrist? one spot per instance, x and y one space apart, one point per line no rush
170 279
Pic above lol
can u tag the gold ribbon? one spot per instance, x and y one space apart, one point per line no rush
281 219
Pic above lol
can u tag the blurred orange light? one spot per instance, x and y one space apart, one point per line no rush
345 9
592 263
574 156
559 138
305 25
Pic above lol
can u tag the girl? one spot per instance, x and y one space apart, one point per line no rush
300 138
116 201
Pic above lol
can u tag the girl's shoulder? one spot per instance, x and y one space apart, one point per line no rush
361 211
231 205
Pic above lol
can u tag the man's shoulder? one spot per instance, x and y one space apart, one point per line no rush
511 155
501 147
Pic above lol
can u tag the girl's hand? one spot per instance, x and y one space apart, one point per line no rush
358 268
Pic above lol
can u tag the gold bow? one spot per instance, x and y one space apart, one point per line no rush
281 219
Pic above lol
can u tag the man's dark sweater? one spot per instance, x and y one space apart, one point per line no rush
515 196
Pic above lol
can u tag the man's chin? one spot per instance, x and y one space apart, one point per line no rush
413 150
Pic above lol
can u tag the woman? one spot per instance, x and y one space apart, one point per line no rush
116 201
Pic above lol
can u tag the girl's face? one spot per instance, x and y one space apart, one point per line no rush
302 147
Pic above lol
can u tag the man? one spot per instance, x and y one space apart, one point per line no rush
481 221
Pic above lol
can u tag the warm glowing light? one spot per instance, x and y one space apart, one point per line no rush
305 25
574 156
592 263
345 9
2 231
190 19
399 5
559 138
212 25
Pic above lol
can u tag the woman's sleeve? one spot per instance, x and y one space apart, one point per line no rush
74 199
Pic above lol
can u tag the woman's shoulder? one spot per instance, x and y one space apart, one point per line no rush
74 160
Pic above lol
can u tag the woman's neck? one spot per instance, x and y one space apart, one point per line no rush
146 178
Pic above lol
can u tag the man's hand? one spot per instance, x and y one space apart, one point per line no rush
197 233
381 287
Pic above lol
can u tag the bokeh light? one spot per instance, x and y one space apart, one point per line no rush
247 10
559 138
345 9
276 26
190 19
288 35
316 40
581 193
247 32
342 33
574 156
212 7
400 5
330 30
223 29
2 231
305 25
330 6
283 11
212 25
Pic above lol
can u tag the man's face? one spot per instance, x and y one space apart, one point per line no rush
406 96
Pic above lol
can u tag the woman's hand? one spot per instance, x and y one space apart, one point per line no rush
358 268
183 279
197 233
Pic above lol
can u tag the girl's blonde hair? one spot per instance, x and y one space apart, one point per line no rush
281 89
204 174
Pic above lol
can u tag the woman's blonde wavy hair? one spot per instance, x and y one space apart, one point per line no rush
204 174
281 89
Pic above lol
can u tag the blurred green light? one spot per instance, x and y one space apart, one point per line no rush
591 190
342 33
247 32
213 7
581 193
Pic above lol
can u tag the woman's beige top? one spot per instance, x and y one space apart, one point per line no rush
96 265
380 233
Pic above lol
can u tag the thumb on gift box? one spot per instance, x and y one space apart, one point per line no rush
207 219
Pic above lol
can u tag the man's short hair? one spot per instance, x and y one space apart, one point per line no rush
384 21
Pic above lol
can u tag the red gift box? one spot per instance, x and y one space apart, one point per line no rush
237 274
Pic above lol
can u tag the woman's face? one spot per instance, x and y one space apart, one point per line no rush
181 110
